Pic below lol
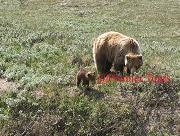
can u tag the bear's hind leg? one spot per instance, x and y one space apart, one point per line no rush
78 81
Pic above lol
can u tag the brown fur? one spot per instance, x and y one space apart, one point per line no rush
115 48
85 76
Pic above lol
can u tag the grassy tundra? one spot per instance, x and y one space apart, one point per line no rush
40 41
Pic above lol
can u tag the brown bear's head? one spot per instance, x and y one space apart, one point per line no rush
91 76
133 62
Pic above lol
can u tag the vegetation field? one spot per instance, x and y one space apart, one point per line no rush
44 43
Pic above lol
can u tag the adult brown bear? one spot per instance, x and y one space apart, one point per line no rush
119 50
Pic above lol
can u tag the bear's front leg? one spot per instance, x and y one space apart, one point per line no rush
119 62
119 68
107 67
103 66
85 82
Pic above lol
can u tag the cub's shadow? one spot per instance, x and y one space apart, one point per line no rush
92 93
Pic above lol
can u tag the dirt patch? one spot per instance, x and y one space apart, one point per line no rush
4 85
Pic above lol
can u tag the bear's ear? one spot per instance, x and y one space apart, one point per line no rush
127 57
139 57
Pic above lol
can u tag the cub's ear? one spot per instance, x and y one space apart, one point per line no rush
88 74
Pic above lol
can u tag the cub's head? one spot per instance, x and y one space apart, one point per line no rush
91 76
133 62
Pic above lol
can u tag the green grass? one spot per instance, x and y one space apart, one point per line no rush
39 40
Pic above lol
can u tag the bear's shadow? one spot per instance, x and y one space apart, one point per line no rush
92 93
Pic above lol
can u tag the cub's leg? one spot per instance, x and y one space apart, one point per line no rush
85 82
78 80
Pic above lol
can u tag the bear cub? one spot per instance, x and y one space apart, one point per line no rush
85 76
